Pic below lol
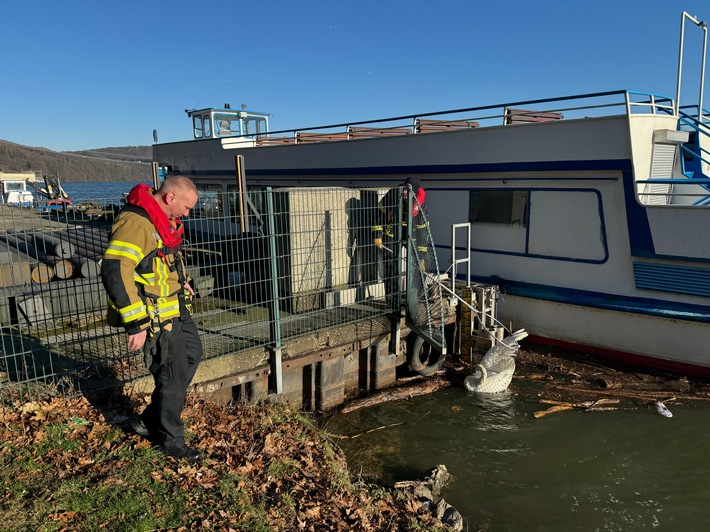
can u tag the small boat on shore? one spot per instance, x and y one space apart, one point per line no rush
588 211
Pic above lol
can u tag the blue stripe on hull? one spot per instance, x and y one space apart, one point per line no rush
599 300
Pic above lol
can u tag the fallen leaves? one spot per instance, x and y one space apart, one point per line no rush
267 456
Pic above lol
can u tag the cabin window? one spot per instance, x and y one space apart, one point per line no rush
210 203
207 125
255 125
506 207
226 125
197 127
558 224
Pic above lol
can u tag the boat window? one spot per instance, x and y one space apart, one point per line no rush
507 207
254 125
14 185
207 126
226 125
210 203
197 127
559 224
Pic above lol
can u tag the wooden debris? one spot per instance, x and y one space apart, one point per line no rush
587 405
642 395
428 386
551 410
374 430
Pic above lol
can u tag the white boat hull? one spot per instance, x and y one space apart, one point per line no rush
586 235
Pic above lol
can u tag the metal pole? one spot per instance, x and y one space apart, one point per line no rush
274 313
702 70
467 259
680 61
155 176
241 180
702 26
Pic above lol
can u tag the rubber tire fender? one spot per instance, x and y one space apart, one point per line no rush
426 366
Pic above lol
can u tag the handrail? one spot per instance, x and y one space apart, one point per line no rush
702 25
656 102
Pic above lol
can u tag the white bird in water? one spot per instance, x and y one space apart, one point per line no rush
495 371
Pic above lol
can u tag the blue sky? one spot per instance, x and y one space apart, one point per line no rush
80 75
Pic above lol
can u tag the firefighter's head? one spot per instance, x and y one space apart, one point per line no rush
177 196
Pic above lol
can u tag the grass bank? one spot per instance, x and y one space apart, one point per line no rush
68 465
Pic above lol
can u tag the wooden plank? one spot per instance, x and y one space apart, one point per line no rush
274 141
319 137
515 116
428 126
367 132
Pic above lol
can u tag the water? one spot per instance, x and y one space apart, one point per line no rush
628 469
112 190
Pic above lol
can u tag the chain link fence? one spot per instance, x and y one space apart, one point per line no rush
267 266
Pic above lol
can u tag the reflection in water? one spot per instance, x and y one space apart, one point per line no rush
629 469
496 411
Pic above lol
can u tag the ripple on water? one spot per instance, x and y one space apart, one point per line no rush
621 470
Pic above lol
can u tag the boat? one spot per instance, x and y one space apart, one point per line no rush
13 189
589 211
18 189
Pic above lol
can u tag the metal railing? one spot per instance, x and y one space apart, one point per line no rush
306 263
571 107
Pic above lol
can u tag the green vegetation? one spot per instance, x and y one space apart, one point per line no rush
67 465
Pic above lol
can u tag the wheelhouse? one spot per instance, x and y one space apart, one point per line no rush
214 123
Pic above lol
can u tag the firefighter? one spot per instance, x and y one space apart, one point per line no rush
384 232
143 272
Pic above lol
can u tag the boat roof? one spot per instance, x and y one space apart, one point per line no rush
226 110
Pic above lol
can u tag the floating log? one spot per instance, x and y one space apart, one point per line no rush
642 395
428 386
587 405
551 410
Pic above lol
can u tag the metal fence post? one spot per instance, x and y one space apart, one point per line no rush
274 315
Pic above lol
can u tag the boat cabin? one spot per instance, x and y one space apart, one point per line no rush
212 123
13 189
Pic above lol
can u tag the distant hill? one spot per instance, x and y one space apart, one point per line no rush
129 163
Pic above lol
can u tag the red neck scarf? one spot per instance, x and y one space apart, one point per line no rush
142 196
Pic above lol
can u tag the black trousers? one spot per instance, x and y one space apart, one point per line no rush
172 372
391 273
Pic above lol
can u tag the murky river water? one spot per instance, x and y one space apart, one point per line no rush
628 469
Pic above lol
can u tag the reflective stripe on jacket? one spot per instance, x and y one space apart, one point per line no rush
140 277
388 216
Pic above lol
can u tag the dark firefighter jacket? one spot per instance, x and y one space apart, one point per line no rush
144 279
387 218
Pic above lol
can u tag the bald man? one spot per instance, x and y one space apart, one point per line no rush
143 272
